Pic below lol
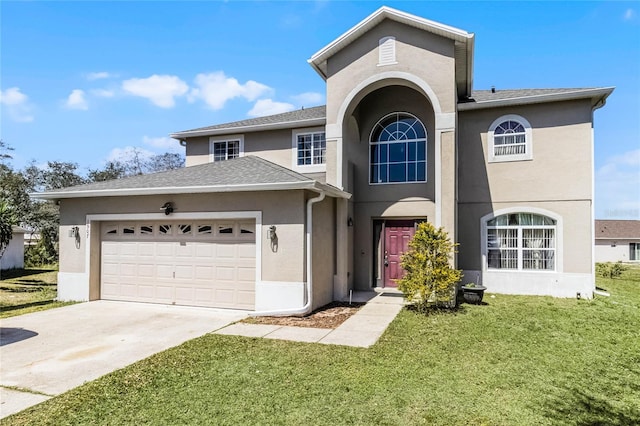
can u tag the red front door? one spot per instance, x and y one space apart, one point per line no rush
397 234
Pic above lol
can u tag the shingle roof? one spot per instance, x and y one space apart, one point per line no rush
305 114
617 229
491 99
488 95
238 171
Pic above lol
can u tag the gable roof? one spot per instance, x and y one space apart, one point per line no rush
463 53
617 229
492 99
237 175
304 117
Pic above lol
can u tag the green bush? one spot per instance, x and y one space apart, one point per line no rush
610 270
430 279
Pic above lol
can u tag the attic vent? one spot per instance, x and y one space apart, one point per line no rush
387 51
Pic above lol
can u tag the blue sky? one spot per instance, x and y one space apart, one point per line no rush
88 81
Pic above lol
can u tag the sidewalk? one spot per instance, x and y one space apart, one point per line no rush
363 329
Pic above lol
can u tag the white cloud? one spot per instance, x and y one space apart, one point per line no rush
309 98
102 93
98 75
629 14
128 153
17 104
76 100
159 89
163 143
617 189
268 107
215 89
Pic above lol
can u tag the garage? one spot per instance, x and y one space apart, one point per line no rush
210 263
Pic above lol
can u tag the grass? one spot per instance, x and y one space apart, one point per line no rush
513 361
28 290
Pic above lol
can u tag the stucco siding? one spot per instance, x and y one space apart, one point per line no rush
283 209
324 246
561 168
575 233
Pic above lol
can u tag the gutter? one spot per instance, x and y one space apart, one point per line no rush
309 122
306 308
311 185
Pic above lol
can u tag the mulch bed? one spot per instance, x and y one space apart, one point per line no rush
328 316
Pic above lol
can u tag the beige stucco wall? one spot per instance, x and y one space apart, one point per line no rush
283 209
427 56
276 146
324 246
561 165
558 178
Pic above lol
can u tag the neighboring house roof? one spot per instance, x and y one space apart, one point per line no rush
463 43
316 116
305 117
618 229
492 99
239 174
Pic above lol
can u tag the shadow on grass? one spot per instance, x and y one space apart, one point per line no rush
26 305
584 408
436 310
8 274
25 289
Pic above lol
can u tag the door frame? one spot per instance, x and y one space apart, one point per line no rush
379 226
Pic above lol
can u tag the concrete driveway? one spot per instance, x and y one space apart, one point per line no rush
47 353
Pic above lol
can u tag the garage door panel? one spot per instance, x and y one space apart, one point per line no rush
197 269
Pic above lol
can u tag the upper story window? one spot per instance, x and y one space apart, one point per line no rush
521 241
226 148
309 150
398 150
510 139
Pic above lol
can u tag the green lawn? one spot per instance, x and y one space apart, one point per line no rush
28 290
513 361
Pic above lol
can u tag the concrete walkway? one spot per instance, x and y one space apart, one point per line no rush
363 329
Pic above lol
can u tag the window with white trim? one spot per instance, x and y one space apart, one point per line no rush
226 148
521 241
510 139
398 150
311 148
634 251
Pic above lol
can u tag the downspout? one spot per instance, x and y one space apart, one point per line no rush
304 310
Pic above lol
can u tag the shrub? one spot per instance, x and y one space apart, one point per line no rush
429 279
610 270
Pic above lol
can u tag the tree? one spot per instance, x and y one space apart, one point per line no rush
113 170
164 162
429 278
4 149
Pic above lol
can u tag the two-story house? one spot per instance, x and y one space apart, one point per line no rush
289 212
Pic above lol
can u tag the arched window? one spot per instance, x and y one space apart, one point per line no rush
521 241
398 150
510 139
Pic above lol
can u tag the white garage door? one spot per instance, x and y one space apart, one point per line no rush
194 263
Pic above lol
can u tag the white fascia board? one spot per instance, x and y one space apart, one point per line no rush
374 19
248 129
599 94
283 186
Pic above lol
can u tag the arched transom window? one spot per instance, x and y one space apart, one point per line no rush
398 150
510 139
521 241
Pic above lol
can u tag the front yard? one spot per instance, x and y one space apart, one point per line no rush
512 361
27 290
